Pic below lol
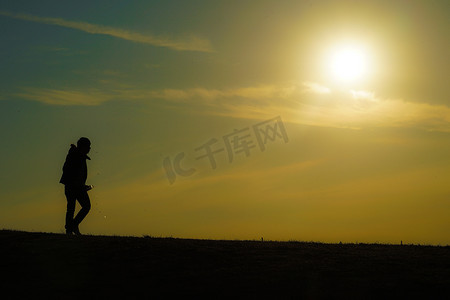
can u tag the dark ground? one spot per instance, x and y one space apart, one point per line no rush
37 265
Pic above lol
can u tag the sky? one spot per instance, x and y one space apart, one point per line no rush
311 120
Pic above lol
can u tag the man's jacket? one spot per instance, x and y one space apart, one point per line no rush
75 168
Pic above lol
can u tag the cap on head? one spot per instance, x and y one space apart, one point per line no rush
83 141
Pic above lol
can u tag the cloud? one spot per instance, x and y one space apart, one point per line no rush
65 97
363 95
313 87
188 43
344 109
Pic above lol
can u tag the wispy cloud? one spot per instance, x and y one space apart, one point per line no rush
363 95
314 87
65 97
188 43
191 95
350 109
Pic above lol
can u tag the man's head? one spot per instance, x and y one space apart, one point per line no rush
84 145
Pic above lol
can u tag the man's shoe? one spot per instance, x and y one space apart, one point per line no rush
76 231
69 230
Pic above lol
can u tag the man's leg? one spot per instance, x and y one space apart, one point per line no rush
71 199
85 202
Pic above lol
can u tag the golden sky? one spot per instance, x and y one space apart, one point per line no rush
351 99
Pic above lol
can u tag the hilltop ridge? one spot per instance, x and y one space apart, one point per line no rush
56 265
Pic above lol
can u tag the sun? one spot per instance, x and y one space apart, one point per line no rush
348 63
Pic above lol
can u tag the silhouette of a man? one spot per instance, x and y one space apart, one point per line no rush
74 178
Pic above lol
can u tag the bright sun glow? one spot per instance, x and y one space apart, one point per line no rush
348 63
